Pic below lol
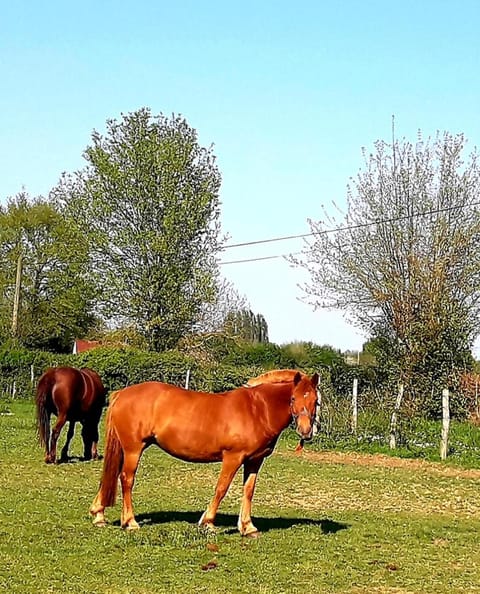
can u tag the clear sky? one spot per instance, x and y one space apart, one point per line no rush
287 92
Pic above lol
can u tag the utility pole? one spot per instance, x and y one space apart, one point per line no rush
16 299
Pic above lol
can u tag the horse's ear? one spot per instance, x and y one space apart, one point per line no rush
314 379
297 378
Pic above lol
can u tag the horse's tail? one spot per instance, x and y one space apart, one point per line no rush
113 459
44 390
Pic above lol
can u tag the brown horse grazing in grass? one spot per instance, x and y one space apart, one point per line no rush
73 395
286 375
239 427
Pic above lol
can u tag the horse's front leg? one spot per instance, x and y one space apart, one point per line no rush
71 429
52 453
230 464
250 472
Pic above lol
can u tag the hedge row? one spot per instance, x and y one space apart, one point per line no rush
119 367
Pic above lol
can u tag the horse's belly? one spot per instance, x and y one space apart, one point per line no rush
189 451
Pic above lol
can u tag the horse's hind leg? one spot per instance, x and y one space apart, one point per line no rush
52 454
250 472
90 439
47 439
231 463
94 437
127 479
71 429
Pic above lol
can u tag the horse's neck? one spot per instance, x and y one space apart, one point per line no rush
278 398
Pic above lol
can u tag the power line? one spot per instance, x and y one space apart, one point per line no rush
258 259
234 245
334 230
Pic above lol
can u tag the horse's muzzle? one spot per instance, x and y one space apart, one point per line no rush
305 436
304 429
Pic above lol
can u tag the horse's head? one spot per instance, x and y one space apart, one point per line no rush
303 404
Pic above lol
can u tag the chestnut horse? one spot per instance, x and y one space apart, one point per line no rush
237 427
286 375
73 395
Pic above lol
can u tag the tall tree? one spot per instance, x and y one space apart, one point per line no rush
148 200
247 325
43 267
405 262
228 303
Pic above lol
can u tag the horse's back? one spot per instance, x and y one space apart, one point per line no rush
94 391
153 394
144 397
58 377
71 390
192 426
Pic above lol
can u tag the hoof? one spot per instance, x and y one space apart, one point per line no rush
98 519
255 534
131 526
208 526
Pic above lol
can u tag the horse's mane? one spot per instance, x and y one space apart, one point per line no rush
273 376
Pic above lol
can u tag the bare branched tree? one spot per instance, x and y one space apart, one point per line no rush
404 262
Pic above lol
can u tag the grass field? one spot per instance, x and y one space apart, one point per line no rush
331 523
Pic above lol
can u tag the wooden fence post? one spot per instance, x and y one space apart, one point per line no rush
318 412
393 419
477 404
355 406
445 423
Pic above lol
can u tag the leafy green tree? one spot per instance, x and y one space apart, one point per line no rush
244 324
307 355
405 262
55 293
148 201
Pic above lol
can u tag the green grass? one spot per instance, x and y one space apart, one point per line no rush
330 524
416 438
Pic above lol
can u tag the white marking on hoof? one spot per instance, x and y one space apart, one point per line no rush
209 526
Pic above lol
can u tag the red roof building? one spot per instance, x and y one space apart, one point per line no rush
80 345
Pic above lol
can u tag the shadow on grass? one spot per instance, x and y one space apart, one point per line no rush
76 460
229 521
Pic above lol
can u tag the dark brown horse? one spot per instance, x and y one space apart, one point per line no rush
73 395
240 427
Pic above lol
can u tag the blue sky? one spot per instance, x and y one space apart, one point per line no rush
287 92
